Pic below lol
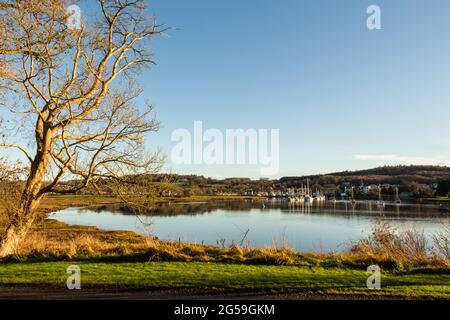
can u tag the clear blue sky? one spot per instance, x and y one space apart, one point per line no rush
342 96
311 68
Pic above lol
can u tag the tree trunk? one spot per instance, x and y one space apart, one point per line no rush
23 219
15 233
19 225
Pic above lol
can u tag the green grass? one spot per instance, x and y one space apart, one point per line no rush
421 283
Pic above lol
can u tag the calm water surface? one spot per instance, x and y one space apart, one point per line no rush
326 226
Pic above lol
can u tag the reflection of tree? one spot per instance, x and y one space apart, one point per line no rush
171 209
327 208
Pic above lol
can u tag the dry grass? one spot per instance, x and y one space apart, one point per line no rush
51 204
55 241
406 247
441 242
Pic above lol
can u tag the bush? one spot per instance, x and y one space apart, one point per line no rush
398 248
442 243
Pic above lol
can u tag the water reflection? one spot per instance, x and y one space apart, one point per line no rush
321 226
324 207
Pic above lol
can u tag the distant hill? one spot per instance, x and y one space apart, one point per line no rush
430 171
380 175
418 180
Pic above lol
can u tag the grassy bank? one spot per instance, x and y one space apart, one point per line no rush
219 277
56 241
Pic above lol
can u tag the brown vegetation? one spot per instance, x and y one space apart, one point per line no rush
55 241
406 247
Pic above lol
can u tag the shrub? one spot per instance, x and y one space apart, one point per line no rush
410 246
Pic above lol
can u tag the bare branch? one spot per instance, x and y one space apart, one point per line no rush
16 146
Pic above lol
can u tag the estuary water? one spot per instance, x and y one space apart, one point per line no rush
323 226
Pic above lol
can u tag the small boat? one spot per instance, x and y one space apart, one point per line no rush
397 198
302 194
308 197
353 195
319 196
380 201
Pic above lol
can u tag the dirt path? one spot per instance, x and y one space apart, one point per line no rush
45 293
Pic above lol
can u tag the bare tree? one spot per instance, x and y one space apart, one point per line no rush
72 94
